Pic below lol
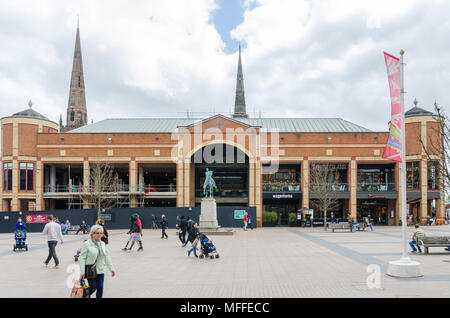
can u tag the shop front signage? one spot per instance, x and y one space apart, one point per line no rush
239 214
282 196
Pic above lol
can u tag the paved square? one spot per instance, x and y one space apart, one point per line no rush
266 262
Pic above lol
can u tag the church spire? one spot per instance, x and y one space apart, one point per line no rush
76 109
239 104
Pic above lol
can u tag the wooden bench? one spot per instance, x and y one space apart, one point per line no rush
434 241
340 226
73 228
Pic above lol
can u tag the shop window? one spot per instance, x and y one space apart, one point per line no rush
413 175
26 176
7 176
433 179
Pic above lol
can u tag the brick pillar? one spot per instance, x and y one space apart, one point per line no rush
186 184
86 181
353 186
39 179
258 193
424 188
133 183
305 183
180 183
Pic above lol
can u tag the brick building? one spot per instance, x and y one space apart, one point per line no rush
161 162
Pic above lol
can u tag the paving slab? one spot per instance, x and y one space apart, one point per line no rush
262 263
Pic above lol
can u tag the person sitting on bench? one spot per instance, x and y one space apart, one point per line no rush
418 234
83 227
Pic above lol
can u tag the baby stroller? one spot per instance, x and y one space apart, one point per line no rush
207 247
20 237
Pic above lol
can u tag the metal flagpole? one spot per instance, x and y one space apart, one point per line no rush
404 258
405 267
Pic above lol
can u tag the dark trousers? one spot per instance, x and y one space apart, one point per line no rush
83 228
182 236
96 285
164 233
52 252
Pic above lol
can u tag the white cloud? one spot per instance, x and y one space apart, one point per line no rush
164 57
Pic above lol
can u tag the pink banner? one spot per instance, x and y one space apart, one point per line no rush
393 150
36 218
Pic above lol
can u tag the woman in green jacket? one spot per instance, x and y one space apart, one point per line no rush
94 252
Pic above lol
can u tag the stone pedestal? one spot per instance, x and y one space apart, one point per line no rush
404 268
208 216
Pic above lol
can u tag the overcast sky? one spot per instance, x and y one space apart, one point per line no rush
162 58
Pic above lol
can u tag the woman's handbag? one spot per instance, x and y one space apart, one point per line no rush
91 270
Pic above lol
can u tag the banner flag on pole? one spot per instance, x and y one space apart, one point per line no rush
393 150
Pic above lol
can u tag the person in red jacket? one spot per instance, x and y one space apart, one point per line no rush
245 221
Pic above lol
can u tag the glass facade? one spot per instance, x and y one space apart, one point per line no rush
413 175
286 179
376 210
376 178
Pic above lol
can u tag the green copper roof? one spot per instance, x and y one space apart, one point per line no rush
168 125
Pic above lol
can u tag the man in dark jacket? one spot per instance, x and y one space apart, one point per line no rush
164 226
193 238
182 230
189 224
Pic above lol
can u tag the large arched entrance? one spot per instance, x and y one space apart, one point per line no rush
230 168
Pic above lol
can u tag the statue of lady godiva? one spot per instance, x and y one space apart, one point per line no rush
209 185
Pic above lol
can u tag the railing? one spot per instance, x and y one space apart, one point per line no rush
113 188
147 189
281 187
63 188
236 193
338 187
376 187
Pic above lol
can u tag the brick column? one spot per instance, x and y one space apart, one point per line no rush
39 191
133 183
251 184
305 183
353 186
15 167
424 188
258 192
86 180
186 184
180 183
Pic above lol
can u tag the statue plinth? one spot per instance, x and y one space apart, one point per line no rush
208 216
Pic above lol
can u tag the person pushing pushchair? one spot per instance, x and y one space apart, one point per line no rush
20 235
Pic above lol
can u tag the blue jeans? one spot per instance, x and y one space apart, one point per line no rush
193 249
64 230
96 285
412 244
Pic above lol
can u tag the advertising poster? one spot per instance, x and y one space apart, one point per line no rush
36 218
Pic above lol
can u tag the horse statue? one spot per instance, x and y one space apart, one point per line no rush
209 185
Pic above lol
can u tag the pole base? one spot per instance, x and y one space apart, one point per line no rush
404 268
